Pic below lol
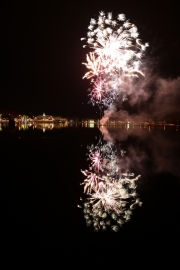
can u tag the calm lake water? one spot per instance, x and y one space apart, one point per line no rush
40 189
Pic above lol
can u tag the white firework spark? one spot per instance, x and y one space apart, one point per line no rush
116 52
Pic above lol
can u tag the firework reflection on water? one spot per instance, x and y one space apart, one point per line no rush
111 194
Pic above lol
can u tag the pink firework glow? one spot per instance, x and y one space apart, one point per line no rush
96 160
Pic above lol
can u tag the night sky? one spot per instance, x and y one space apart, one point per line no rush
41 53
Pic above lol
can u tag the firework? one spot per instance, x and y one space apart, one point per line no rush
116 53
111 194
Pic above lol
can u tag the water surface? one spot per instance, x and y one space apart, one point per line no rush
40 188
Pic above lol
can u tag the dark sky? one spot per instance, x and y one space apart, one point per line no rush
41 51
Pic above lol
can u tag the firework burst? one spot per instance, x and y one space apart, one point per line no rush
116 53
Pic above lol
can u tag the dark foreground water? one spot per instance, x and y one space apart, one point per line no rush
40 189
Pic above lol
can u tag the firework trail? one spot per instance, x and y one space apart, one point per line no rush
116 53
111 194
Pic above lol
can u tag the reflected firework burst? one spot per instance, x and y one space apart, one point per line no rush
111 194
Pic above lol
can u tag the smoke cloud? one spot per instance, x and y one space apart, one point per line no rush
149 97
146 150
